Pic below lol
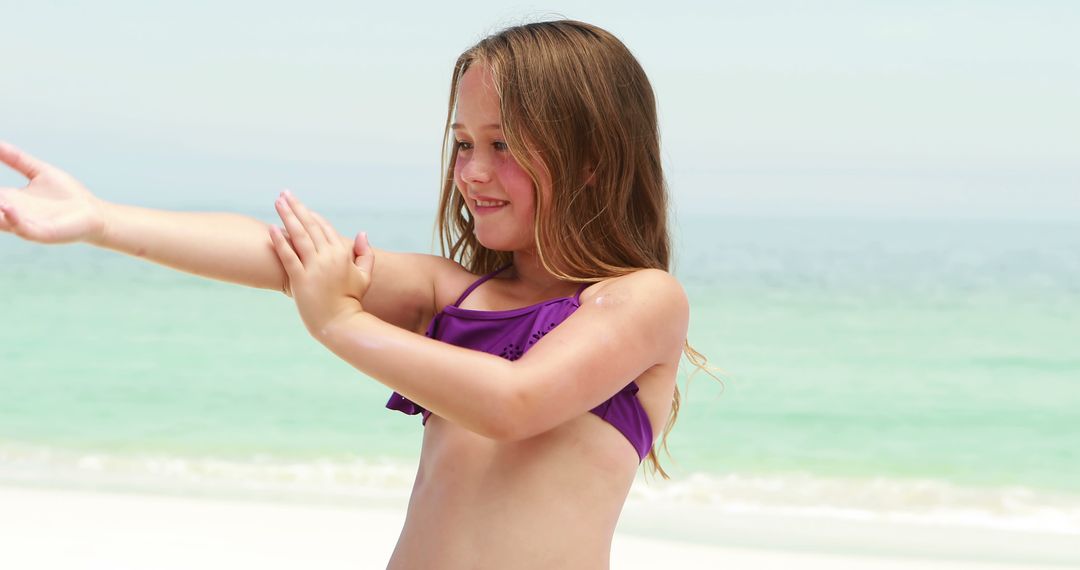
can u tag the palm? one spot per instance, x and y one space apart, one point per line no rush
52 208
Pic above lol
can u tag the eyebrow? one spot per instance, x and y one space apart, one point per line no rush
456 126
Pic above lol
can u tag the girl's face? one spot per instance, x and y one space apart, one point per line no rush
496 189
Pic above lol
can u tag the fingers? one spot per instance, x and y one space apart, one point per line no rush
285 252
6 225
308 232
332 236
13 222
365 256
25 164
361 246
317 233
298 234
9 218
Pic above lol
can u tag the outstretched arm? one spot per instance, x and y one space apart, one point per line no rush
55 208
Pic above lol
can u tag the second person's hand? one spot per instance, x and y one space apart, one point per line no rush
327 278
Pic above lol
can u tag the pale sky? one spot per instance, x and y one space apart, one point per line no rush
868 109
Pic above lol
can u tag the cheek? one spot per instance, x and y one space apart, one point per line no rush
516 183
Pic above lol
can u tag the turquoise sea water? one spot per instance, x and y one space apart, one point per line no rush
892 369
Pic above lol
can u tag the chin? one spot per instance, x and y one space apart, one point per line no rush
502 243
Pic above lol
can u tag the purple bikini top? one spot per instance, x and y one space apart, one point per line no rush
510 334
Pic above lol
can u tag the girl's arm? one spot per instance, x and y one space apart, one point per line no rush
237 249
55 208
222 246
631 324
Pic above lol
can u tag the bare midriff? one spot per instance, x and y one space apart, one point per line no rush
550 501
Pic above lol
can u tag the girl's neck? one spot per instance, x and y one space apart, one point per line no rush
531 275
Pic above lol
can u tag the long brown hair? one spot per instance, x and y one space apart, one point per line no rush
572 95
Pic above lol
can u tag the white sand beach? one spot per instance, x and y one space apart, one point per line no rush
60 529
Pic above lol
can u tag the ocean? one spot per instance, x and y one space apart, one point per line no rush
891 369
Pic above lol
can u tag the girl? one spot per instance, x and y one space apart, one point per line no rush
541 352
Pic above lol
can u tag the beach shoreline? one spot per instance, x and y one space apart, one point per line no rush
63 529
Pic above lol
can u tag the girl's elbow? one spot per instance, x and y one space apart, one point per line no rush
510 420
509 432
497 429
502 433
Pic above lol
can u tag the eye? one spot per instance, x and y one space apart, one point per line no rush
462 145
500 146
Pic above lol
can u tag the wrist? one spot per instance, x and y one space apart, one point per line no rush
335 329
99 233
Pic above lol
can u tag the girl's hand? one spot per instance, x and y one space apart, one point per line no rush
52 208
327 280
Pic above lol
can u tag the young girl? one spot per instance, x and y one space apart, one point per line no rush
541 353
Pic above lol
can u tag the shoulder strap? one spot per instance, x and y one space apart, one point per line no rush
478 282
577 296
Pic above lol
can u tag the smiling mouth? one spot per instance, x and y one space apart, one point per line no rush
489 203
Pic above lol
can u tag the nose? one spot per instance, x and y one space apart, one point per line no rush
476 170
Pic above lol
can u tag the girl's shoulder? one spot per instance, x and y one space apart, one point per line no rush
650 286
647 303
451 278
649 300
407 286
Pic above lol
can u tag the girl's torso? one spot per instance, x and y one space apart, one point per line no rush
551 500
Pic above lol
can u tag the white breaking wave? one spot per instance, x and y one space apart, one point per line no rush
924 501
330 478
344 479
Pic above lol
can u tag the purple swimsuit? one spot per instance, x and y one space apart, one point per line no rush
510 334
